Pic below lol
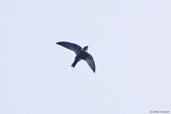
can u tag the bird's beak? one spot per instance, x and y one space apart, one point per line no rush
85 48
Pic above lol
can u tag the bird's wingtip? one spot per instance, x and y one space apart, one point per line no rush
61 42
94 70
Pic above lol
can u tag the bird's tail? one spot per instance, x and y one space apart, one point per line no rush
74 63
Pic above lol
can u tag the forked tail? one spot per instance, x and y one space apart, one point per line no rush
74 63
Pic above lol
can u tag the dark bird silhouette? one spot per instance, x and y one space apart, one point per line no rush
81 53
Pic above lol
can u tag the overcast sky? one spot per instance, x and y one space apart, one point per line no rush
130 41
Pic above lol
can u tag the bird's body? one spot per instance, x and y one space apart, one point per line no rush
81 53
79 56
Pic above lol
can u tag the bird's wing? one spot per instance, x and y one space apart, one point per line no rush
89 59
74 47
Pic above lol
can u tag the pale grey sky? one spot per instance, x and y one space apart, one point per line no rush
130 41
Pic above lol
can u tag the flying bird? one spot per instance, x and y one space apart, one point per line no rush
81 54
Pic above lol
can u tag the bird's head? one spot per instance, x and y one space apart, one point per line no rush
85 48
